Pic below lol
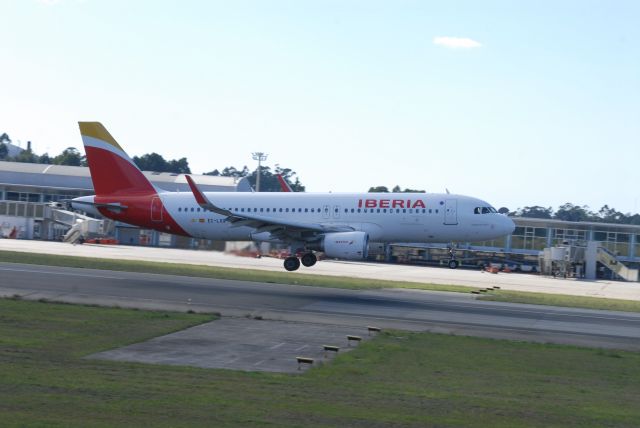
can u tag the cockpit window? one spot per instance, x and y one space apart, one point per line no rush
484 210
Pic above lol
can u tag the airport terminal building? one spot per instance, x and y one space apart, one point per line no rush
27 192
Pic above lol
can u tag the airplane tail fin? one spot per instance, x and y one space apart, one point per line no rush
112 170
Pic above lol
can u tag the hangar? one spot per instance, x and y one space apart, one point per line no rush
28 190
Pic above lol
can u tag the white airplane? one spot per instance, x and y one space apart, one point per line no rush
340 225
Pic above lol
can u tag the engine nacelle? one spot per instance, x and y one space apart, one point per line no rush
346 245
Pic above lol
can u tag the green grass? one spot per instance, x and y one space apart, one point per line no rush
396 379
310 280
562 300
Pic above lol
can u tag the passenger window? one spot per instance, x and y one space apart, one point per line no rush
352 210
261 209
404 210
306 210
191 209
359 210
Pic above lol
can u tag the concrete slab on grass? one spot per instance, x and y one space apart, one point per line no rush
242 344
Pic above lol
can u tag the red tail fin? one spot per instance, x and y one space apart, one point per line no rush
112 170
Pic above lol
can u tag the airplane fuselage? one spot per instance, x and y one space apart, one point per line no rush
385 217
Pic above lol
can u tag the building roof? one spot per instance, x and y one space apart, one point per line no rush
78 177
13 150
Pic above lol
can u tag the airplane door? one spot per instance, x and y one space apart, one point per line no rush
336 211
451 211
156 209
326 211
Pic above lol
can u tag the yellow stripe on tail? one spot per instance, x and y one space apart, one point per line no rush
96 130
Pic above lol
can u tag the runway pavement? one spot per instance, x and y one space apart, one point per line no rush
401 309
473 278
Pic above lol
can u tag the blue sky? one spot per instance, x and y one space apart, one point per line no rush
541 108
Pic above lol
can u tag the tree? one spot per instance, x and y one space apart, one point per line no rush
69 156
4 138
180 166
4 150
45 159
25 156
396 189
535 211
610 215
268 180
155 162
570 212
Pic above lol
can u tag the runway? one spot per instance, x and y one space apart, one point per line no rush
395 272
454 313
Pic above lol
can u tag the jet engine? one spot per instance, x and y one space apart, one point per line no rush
345 245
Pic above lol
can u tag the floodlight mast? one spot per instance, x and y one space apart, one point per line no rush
259 156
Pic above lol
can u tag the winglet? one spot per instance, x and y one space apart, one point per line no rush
284 186
202 199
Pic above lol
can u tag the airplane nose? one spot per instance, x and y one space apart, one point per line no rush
508 225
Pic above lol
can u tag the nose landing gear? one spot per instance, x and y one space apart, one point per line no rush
453 263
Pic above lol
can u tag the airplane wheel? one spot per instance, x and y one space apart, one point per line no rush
453 264
309 259
291 263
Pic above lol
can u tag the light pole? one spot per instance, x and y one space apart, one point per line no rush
259 156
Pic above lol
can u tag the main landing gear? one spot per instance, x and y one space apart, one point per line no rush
292 263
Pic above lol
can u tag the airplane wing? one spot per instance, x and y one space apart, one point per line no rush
278 228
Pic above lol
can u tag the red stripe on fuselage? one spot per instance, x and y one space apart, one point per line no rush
138 213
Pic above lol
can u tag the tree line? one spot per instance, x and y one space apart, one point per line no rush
268 178
155 162
269 183
571 212
69 156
